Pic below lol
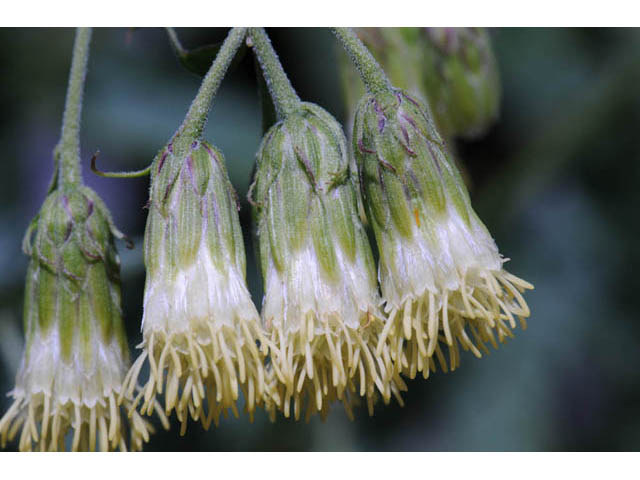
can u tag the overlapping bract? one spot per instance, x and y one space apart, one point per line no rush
440 271
400 52
199 324
76 351
321 305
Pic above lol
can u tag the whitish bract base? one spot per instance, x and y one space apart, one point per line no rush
54 399
448 289
323 333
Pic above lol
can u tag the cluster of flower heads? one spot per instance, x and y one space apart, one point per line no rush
329 331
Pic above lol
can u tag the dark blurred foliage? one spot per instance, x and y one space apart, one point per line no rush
556 181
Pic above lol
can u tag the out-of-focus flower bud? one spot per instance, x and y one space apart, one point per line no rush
321 306
461 80
400 51
440 270
452 69
76 349
200 325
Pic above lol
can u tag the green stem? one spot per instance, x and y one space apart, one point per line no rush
67 153
284 97
370 70
269 115
175 41
196 118
133 174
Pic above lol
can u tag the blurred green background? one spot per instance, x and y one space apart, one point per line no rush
556 181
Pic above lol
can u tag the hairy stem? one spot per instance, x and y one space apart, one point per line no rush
370 70
284 97
196 118
67 152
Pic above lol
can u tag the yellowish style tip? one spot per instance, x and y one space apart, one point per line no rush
45 423
325 361
201 373
484 312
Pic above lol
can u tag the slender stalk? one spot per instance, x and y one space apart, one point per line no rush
284 97
68 149
132 174
175 41
269 115
370 70
196 118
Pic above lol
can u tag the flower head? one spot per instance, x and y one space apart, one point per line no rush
199 324
76 350
321 305
441 274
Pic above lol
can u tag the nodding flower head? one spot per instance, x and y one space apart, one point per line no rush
441 274
200 326
321 304
76 350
